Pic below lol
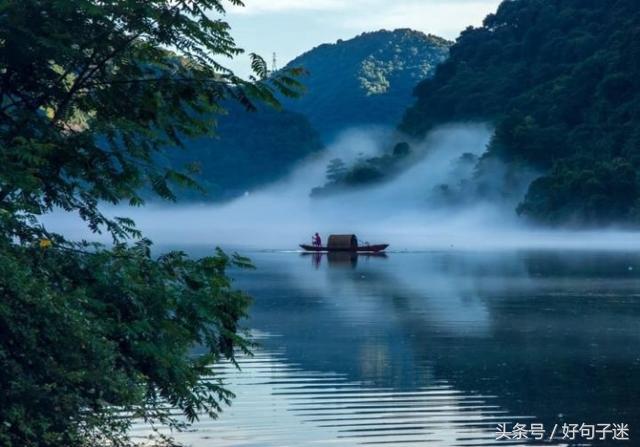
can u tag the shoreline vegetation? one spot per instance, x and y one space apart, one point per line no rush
89 97
559 81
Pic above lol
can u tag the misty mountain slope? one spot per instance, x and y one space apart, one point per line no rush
366 80
250 149
561 82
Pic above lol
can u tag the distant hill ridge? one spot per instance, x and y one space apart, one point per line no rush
366 80
361 81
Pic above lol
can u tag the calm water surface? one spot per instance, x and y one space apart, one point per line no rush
433 348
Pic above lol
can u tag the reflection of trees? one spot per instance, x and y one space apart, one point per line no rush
320 323
541 358
554 346
547 335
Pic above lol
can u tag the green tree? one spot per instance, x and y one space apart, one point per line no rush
90 92
401 149
560 80
336 170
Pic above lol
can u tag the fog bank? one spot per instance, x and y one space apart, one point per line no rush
400 212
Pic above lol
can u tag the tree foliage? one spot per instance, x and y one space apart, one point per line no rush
336 170
90 93
364 171
560 80
370 78
250 149
92 340
580 190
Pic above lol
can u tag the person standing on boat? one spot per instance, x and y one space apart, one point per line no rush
317 241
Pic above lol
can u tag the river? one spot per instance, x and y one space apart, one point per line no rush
434 348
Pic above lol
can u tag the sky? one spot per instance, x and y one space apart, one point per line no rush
291 27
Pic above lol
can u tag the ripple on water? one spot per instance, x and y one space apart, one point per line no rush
280 404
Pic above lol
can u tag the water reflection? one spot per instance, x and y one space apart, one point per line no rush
433 348
340 259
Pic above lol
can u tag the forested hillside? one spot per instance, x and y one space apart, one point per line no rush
249 150
366 80
561 81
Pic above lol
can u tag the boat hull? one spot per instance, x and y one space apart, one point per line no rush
363 249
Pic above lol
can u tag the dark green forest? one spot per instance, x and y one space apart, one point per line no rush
364 171
249 150
560 79
90 99
366 80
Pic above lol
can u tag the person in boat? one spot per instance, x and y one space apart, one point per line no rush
317 242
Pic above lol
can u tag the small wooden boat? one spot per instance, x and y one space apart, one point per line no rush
345 243
377 248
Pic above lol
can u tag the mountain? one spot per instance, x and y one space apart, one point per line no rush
560 79
367 80
250 149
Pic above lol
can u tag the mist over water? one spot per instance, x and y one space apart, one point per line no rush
430 348
401 211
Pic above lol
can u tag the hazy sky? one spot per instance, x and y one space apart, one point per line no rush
291 27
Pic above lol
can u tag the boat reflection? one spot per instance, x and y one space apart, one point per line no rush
516 326
432 348
340 259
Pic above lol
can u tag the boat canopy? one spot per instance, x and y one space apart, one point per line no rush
342 242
